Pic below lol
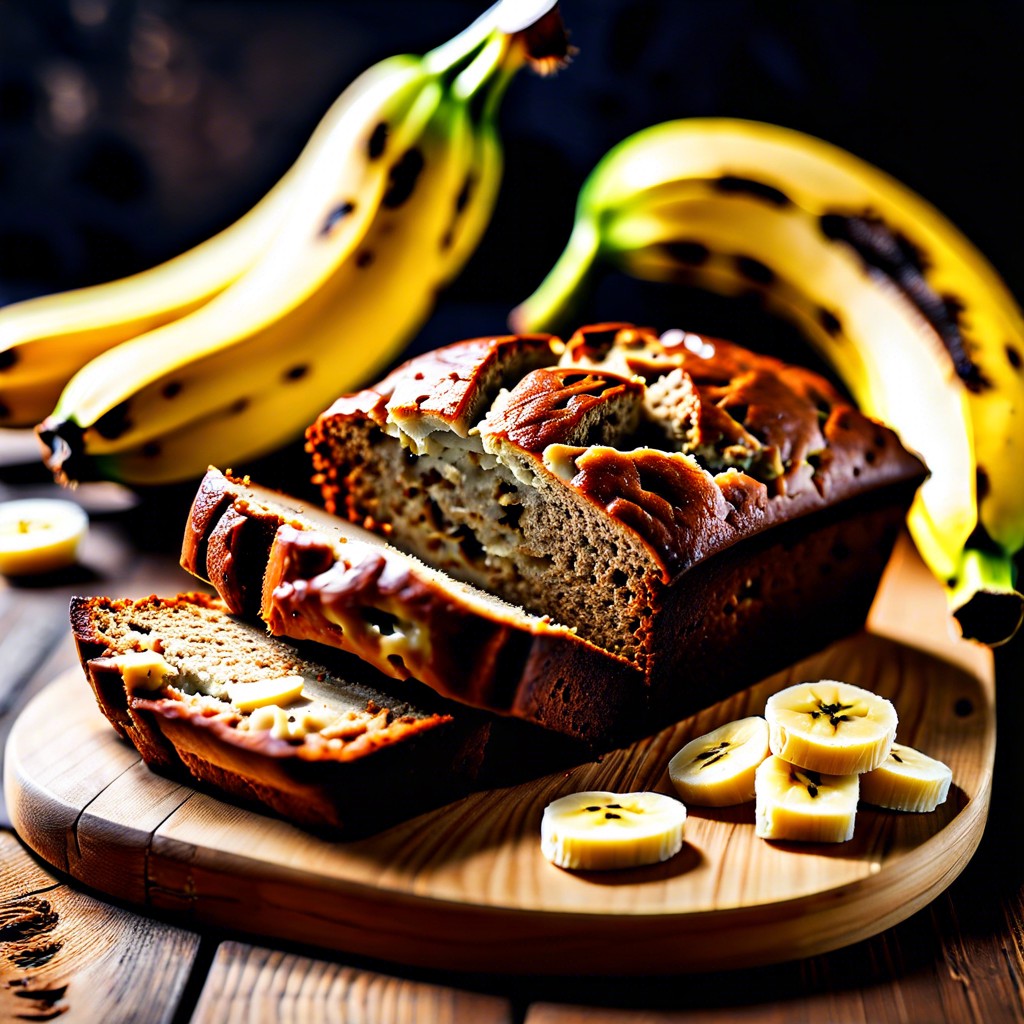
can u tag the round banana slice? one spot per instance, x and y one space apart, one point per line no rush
830 727
907 780
717 769
39 535
804 805
596 831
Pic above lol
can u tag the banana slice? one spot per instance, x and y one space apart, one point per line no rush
596 831
264 692
717 769
907 780
39 535
830 727
801 804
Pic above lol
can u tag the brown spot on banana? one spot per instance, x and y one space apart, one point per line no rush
688 251
462 199
114 423
734 183
378 141
364 259
1013 356
754 270
981 483
894 256
465 193
8 358
402 179
296 372
336 215
172 388
830 323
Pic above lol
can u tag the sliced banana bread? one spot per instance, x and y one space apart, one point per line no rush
209 698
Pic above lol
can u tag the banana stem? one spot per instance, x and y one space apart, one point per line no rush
560 292
984 600
481 71
483 83
442 58
505 19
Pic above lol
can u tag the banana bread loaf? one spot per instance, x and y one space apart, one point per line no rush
703 511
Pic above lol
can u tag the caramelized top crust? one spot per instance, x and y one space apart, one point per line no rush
727 441
450 387
665 498
770 407
563 405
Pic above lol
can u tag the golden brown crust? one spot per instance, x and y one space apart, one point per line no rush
447 387
563 405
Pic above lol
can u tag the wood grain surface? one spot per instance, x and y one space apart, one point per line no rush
467 884
68 955
252 985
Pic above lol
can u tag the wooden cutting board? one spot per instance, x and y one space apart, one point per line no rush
466 887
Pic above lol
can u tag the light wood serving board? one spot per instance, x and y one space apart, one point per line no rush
466 887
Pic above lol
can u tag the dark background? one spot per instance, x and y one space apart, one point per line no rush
132 129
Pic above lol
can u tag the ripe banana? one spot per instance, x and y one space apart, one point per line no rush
800 804
597 831
907 780
39 535
910 315
364 244
717 769
831 727
45 340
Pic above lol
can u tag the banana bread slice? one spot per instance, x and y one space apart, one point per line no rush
206 697
313 576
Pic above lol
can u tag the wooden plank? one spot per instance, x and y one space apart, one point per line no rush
65 954
252 985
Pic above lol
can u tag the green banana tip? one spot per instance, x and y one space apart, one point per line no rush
991 617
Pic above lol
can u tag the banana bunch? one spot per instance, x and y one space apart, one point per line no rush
909 314
229 351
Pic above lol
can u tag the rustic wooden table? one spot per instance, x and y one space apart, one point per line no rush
68 953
